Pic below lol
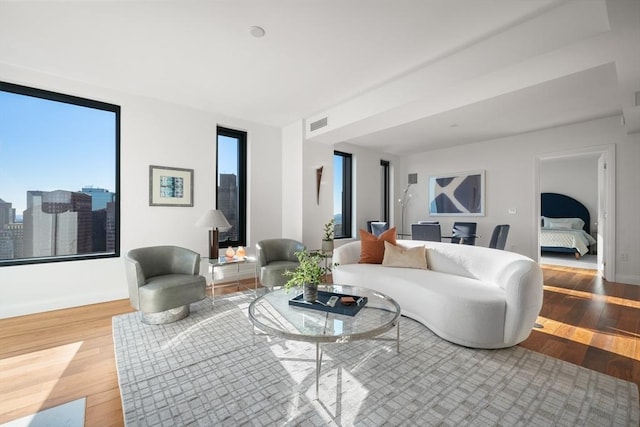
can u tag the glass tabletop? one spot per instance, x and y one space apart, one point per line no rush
227 261
272 314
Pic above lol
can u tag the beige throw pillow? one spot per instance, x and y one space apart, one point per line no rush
398 256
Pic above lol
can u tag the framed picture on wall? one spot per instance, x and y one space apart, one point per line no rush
170 186
457 194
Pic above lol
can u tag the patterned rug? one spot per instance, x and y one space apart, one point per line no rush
206 370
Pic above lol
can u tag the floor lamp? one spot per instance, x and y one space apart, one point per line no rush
215 220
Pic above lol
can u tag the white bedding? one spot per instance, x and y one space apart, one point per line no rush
563 238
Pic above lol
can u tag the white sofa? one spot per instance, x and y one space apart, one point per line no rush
472 296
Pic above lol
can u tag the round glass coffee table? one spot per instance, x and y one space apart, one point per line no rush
271 314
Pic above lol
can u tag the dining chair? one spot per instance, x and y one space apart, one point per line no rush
499 236
464 233
430 232
379 227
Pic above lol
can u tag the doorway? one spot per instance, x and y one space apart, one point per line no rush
588 176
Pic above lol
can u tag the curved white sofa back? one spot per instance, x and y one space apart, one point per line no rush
518 279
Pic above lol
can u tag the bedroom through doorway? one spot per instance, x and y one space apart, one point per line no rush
574 203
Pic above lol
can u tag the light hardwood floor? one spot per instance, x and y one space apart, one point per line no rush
52 358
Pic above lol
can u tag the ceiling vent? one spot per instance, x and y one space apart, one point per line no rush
318 124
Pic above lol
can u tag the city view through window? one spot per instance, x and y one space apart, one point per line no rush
231 160
58 177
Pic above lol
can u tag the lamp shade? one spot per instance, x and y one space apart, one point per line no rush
213 218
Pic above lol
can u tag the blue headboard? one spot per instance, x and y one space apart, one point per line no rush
554 205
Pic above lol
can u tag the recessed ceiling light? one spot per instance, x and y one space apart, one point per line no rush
256 31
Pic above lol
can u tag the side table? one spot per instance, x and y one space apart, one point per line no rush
225 262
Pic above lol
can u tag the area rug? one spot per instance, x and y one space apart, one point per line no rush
210 370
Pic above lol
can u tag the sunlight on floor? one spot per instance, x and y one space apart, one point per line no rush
50 364
625 343
336 384
594 297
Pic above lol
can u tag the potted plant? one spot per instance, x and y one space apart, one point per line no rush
327 239
308 274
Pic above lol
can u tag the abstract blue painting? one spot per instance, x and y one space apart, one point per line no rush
459 194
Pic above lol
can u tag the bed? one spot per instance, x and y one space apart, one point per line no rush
565 225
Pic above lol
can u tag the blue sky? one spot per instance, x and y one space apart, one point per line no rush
48 145
337 184
228 151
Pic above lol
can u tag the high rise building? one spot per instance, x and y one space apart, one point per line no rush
57 223
11 241
227 203
99 197
10 232
110 227
103 219
7 213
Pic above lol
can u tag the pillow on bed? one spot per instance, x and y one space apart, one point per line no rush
560 225
563 223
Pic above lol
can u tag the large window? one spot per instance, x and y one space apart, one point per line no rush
231 198
342 194
59 177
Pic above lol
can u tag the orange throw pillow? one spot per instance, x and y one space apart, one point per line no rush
372 247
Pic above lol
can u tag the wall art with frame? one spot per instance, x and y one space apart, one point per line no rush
170 186
457 194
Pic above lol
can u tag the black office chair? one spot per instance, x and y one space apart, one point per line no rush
429 232
464 233
379 227
499 236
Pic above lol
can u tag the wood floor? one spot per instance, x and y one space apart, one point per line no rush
55 357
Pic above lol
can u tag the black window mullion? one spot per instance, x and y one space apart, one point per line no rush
385 190
346 194
241 202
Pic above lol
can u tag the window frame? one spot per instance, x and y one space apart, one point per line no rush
241 136
347 194
87 103
385 171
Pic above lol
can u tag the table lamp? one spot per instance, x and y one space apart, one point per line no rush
215 220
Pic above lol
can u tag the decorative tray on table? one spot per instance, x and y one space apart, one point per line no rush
349 305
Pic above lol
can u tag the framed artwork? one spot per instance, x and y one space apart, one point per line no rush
170 186
458 194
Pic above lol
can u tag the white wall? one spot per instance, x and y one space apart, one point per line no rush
292 156
576 177
315 214
366 189
152 133
509 165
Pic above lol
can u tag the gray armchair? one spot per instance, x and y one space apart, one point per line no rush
274 257
163 282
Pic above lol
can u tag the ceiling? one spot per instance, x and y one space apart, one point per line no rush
320 54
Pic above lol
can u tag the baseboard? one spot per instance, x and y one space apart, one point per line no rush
628 279
51 304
